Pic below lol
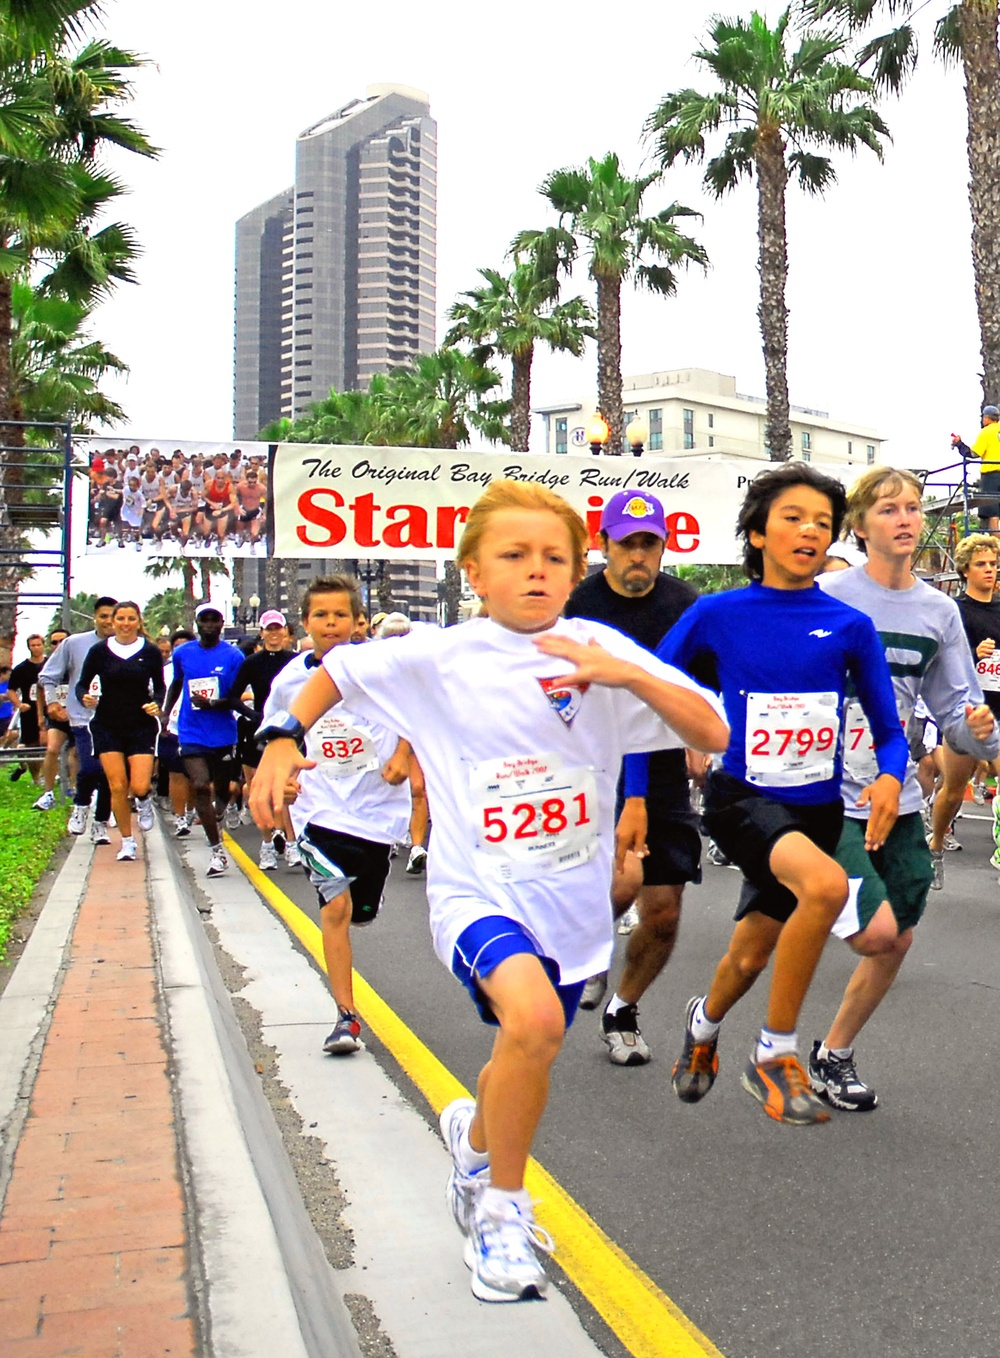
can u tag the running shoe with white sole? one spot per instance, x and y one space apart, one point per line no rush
346 1035
695 1069
127 852
781 1087
246 816
99 832
502 1251
181 827
950 844
46 802
293 859
268 860
620 1031
937 863
144 808
629 921
463 1188
218 864
231 820
417 861
279 842
835 1079
77 822
594 991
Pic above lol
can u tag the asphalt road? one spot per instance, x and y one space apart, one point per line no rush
876 1235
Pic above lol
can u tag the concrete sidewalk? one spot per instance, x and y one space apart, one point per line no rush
148 1205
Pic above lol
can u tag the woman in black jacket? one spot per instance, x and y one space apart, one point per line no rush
122 680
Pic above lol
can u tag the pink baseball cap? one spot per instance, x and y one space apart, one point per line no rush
272 618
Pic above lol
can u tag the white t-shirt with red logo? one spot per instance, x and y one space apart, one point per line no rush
521 774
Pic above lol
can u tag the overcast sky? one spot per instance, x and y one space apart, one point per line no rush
883 325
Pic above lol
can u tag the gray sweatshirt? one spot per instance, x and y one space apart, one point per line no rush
63 667
929 658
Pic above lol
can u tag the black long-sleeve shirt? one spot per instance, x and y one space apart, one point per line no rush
126 684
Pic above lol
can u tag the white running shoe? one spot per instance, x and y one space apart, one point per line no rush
77 822
463 1189
144 806
231 820
629 920
594 991
417 861
502 1252
128 850
268 860
219 863
99 832
293 859
181 827
245 817
46 802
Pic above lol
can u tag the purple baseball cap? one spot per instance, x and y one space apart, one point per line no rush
633 512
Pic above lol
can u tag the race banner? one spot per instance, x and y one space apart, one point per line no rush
400 504
169 497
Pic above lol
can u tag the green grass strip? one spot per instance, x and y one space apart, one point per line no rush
27 841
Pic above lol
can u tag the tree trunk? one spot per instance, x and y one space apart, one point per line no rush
520 399
452 592
978 24
272 583
772 265
609 359
188 574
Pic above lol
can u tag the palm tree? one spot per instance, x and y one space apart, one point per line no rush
778 103
344 417
191 570
165 609
441 399
508 317
603 207
967 32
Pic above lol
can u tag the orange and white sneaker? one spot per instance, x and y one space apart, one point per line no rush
781 1087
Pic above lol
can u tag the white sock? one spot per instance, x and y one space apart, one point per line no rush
841 1053
702 1027
615 1003
495 1200
770 1044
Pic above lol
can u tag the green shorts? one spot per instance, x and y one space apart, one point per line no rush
900 873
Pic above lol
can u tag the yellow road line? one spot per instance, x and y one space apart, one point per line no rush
643 1317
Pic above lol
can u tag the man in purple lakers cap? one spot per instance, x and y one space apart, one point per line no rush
633 595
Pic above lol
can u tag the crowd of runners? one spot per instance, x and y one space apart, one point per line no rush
177 502
826 720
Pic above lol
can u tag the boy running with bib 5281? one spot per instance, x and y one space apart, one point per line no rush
521 752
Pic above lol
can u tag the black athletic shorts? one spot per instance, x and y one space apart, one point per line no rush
221 761
62 726
170 755
128 740
30 734
746 825
673 842
338 862
989 485
247 750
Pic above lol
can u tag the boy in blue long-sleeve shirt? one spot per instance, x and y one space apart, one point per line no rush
782 653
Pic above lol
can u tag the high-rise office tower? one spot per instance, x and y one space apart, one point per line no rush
335 278
335 282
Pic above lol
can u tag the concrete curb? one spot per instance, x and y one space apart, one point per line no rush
269 1286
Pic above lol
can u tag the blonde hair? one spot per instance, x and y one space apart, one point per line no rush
525 495
968 547
871 487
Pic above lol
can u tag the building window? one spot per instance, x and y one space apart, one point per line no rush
561 446
711 440
850 448
806 455
806 443
656 431
689 429
711 420
870 453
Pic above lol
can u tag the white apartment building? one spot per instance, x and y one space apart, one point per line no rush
693 412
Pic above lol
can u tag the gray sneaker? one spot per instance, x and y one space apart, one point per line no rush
937 862
144 806
594 991
620 1031
77 822
99 832
231 820
503 1251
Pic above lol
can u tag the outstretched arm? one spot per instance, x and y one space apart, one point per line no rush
281 760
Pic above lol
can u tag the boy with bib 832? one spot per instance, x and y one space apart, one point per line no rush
781 654
351 808
520 752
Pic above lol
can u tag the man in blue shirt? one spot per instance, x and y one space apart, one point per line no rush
204 671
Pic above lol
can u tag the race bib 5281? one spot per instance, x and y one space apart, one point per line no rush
533 814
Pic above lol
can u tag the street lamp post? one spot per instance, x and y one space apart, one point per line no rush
598 432
245 616
637 434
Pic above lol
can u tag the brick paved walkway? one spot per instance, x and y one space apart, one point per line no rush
93 1239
